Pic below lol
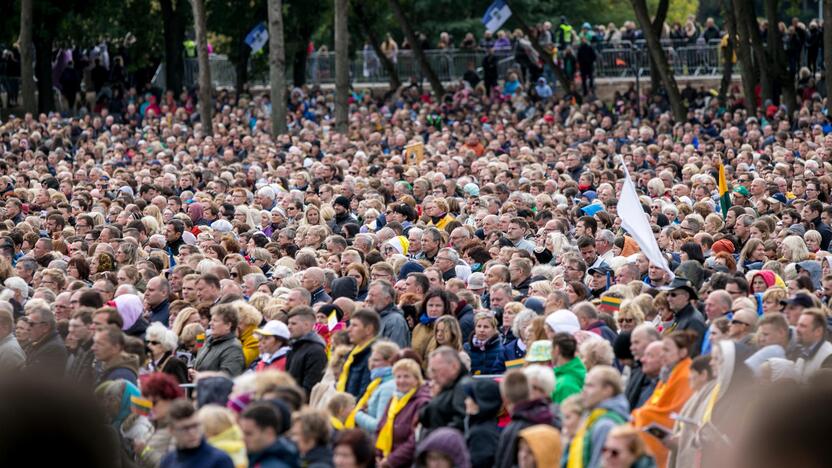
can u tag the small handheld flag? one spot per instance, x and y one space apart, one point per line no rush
724 194
140 406
200 340
332 320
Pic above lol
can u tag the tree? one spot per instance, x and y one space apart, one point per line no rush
416 47
827 46
658 56
277 67
744 52
367 26
27 71
564 80
174 21
205 85
342 65
728 56
778 64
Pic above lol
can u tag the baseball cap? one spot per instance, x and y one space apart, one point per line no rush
274 328
799 299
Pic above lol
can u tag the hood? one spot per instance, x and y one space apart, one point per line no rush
115 398
813 268
545 444
448 442
311 337
535 411
346 286
486 393
229 440
618 404
129 361
130 308
214 389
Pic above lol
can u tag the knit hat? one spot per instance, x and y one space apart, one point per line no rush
222 226
343 201
400 243
741 190
476 281
410 267
237 403
723 245
563 321
535 304
471 189
345 286
621 346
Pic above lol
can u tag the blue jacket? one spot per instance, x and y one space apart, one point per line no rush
368 418
281 454
487 362
204 456
512 351
359 376
161 313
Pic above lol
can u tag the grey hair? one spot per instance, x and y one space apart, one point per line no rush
157 332
521 321
257 278
43 309
453 255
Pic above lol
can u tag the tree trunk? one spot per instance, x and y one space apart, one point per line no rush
299 63
342 65
277 67
658 25
658 56
27 77
728 58
827 47
205 85
761 61
743 47
389 66
241 66
565 81
43 71
173 25
416 47
779 63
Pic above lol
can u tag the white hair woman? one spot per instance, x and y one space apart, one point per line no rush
162 344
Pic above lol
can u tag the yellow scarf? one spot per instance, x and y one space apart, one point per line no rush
385 435
709 409
362 402
345 373
336 423
576 447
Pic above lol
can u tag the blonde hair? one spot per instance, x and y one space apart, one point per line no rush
181 318
409 365
630 309
191 331
247 315
215 419
339 402
267 380
595 352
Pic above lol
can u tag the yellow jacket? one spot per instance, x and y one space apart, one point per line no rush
442 222
251 349
231 442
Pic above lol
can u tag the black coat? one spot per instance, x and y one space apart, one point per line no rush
359 376
639 388
690 319
525 414
47 355
447 409
306 362
174 366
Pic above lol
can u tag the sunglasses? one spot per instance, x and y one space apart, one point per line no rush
738 322
154 342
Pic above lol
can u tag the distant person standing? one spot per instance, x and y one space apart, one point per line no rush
586 66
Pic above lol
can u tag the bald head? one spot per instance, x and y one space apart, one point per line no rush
347 305
651 361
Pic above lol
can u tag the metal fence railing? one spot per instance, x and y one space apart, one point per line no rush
620 60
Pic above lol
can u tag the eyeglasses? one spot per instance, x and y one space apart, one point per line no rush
739 322
154 342
626 320
674 294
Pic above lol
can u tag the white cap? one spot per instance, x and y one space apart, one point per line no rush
274 328
563 321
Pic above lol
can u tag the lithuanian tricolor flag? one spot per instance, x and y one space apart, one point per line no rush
724 194
140 406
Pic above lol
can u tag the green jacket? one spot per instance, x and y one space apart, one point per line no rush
569 380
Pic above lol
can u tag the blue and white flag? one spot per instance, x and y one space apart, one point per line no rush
257 37
496 15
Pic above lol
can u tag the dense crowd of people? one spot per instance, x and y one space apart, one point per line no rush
444 284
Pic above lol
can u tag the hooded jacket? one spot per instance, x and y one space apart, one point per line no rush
615 411
404 428
487 361
124 366
319 456
570 380
231 442
203 456
482 435
306 361
423 341
813 268
448 442
544 443
281 454
524 414
394 326
224 353
250 344
368 418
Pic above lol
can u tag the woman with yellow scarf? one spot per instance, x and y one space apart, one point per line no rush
396 439
671 393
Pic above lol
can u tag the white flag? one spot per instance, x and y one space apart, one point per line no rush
637 224
496 15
